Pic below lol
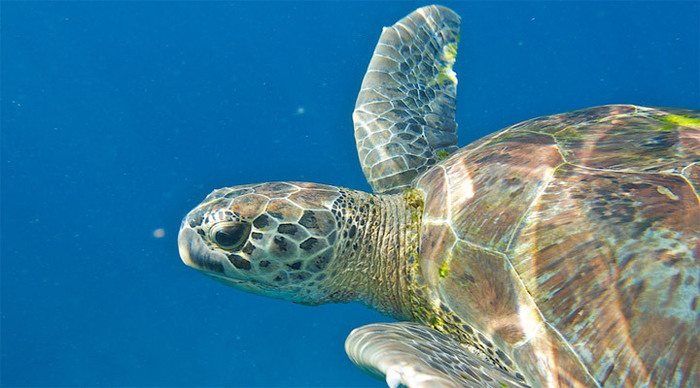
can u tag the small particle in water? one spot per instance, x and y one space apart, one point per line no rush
300 111
159 233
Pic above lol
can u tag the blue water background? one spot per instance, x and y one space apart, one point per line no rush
118 117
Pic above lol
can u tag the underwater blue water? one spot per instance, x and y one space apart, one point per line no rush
118 117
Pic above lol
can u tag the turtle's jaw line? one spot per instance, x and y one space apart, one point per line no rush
245 285
225 279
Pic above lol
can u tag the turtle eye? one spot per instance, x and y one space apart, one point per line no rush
230 235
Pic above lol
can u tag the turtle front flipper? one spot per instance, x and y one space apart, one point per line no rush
405 113
414 355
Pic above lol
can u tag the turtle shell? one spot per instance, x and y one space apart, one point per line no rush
572 241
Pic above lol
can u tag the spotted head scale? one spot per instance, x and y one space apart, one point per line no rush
274 239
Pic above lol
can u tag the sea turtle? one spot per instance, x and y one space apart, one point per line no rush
560 251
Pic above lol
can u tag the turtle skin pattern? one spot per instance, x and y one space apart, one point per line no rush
572 240
405 112
411 351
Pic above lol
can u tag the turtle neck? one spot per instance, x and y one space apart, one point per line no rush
376 242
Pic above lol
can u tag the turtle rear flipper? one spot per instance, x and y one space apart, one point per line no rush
405 113
413 355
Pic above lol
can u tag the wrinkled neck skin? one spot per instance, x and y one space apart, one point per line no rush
377 238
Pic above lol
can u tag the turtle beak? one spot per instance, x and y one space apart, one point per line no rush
183 245
195 253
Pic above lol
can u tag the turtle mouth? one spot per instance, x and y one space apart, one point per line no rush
194 253
245 285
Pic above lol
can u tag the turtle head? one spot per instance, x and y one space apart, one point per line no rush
275 239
